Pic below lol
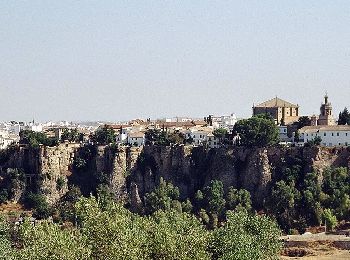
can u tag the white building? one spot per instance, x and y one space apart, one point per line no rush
212 141
34 127
122 136
14 129
136 139
283 134
336 135
199 134
226 122
6 141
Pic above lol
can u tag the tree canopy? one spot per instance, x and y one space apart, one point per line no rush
257 131
34 139
344 117
105 135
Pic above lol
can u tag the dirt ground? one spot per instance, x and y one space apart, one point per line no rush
325 255
315 246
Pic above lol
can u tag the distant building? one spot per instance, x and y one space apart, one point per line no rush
226 122
136 139
336 135
326 115
283 134
212 141
8 140
279 109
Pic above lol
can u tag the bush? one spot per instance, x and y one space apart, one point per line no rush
38 203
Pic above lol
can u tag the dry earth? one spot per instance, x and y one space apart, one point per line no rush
315 246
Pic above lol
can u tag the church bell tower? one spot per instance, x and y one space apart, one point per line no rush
326 116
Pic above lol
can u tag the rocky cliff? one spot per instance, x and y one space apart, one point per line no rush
136 171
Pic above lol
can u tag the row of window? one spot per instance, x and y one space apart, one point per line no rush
331 144
325 134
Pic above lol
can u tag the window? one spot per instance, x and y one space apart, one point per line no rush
337 134
324 134
332 134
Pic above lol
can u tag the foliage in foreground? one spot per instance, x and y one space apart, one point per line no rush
113 232
246 236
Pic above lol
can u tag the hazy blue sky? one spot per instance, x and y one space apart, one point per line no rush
115 60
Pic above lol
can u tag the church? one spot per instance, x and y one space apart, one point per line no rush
326 114
283 112
324 127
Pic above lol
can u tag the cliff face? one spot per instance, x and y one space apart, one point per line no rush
191 169
136 171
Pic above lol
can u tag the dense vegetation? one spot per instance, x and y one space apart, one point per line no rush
299 200
106 230
72 135
104 135
34 139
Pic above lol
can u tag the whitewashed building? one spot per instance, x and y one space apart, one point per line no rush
335 135
212 141
199 135
136 139
8 140
226 122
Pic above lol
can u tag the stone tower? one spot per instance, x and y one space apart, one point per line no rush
326 116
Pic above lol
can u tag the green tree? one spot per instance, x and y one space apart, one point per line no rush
178 236
176 137
258 131
164 137
214 197
161 198
316 141
34 139
284 198
113 232
330 219
246 236
49 241
303 121
238 199
104 135
38 203
220 134
6 251
344 117
71 135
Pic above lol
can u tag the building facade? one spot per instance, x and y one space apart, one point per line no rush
336 135
280 110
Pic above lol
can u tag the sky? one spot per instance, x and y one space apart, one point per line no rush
119 60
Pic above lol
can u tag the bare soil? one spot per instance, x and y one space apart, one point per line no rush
315 246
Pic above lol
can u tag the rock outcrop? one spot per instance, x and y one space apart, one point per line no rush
134 171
